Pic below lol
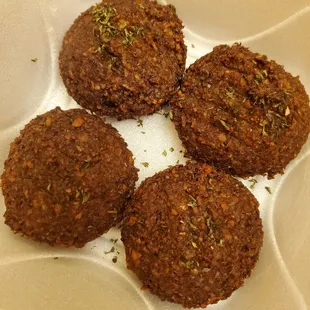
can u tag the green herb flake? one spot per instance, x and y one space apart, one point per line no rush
192 202
192 226
171 149
114 259
225 125
287 92
143 132
268 189
263 124
178 161
103 16
259 77
137 31
230 93
140 122
77 194
165 153
85 197
113 240
111 251
34 59
194 245
79 148
129 39
145 164
169 115
113 211
253 183
193 46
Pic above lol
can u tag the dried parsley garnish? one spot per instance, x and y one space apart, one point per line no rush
111 251
268 189
109 25
129 39
263 124
103 16
253 183
192 202
194 245
145 164
85 197
140 123
113 211
225 125
230 93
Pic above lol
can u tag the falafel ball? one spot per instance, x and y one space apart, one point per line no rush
192 234
241 112
124 58
67 178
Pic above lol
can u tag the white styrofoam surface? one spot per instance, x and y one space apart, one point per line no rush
30 277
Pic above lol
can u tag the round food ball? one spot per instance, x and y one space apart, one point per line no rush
67 178
192 234
241 112
124 58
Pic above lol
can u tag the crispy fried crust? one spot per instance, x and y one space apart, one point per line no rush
241 112
192 234
67 178
128 67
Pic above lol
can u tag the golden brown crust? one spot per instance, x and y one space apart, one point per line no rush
128 67
67 178
241 112
192 234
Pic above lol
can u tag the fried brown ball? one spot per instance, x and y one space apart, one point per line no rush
67 178
241 112
192 234
124 58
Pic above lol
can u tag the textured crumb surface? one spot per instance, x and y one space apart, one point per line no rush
67 178
124 58
192 234
241 112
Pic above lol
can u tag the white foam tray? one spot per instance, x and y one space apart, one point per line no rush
30 279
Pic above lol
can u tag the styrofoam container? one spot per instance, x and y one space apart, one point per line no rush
30 276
